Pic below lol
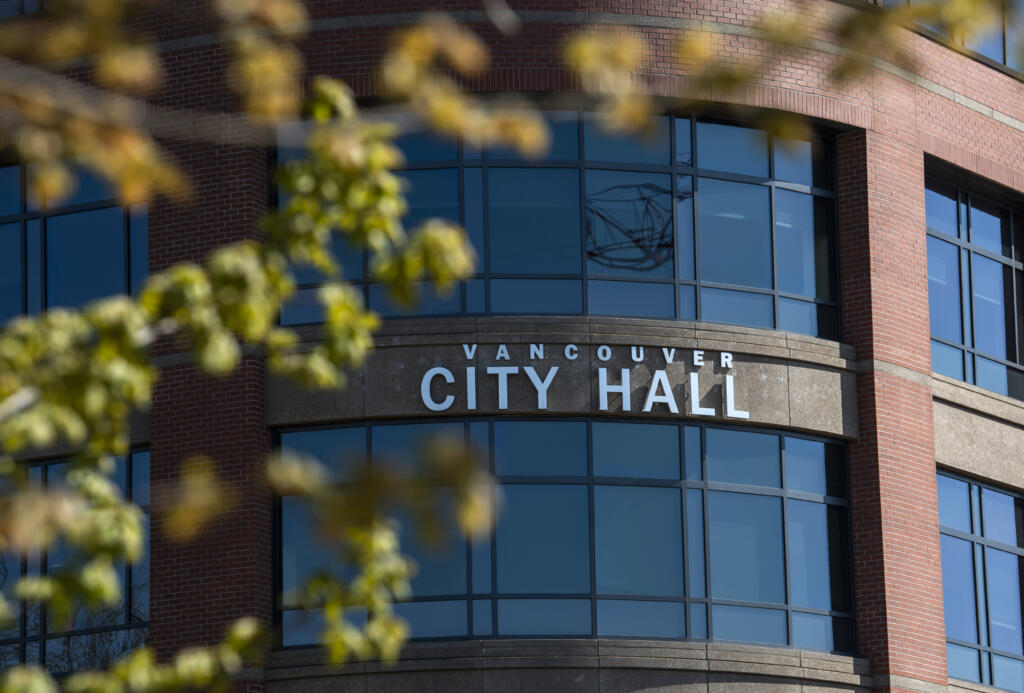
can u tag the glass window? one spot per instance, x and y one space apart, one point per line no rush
85 257
809 574
402 446
633 450
631 299
745 536
749 624
650 147
993 307
535 220
734 216
794 160
940 209
740 457
534 448
732 148
990 227
10 190
563 126
804 244
640 619
10 272
736 307
944 290
954 503
544 617
628 223
1002 576
536 296
431 194
341 450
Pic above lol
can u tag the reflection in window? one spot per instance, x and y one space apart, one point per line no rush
982 576
612 527
89 638
975 282
605 225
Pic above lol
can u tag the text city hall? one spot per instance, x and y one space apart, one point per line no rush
437 396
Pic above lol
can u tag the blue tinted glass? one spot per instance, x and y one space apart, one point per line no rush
812 632
746 531
630 558
85 257
138 240
798 316
687 303
10 190
695 576
954 504
140 478
440 561
536 296
1007 673
428 302
735 233
399 447
694 459
958 589
426 146
88 187
794 160
482 619
650 147
303 552
989 43
341 450
544 617
302 627
944 290
303 308
535 220
795 242
139 603
434 619
947 360
10 271
993 293
962 662
684 226
732 148
990 227
645 619
1002 579
634 299
640 451
1015 38
564 129
740 457
805 466
349 259
749 624
543 539
481 551
431 194
628 223
1002 517
33 266
8 8
684 145
698 621
809 583
549 448
475 296
473 182
736 307
992 376
940 205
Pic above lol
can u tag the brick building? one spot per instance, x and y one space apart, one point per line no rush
755 404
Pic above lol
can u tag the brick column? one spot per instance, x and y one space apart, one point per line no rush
897 567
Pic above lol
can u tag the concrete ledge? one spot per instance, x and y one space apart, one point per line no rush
604 666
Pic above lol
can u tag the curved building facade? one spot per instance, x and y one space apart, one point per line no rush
754 403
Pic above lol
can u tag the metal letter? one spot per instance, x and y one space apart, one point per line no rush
537 351
669 354
502 372
695 407
470 387
637 356
469 350
698 357
730 401
604 388
502 353
425 388
660 381
604 352
572 352
541 385
726 359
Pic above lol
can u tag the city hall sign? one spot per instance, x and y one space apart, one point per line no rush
673 368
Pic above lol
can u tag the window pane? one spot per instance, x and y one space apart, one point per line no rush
940 208
348 258
1015 37
10 271
138 230
698 621
639 451
740 457
992 376
10 190
139 599
482 617
428 301
341 450
732 148
746 548
544 617
85 257
565 138
1002 579
694 458
735 216
543 539
993 307
140 478
548 448
33 266
434 619
798 316
695 575
805 466
473 182
423 145
684 226
640 619
633 299
431 194
401 447
536 296
812 632
736 307
794 160
944 290
628 223
947 360
962 662
1003 517
954 503
687 303
809 574
795 238
650 147
958 589
631 558
88 187
440 561
1007 673
989 43
303 552
684 145
481 552
749 624
990 227
535 220
302 627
